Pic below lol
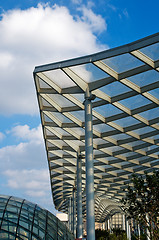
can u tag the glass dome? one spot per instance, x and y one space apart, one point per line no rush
21 219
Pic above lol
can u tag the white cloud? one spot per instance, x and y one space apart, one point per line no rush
112 7
1 136
25 133
24 170
37 36
29 180
95 22
28 154
34 185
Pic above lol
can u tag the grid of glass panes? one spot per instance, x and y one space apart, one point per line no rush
20 219
124 83
117 221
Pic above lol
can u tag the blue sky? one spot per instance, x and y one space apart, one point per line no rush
34 33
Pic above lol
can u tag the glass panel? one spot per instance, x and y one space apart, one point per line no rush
103 128
6 236
143 130
61 117
149 148
30 205
128 154
145 78
121 136
25 223
89 72
79 131
151 51
45 103
127 121
155 93
79 96
61 101
150 114
123 62
15 200
47 119
107 110
24 234
79 115
135 102
12 216
49 133
43 84
135 143
115 89
155 137
56 143
60 131
114 148
9 226
75 142
60 78
99 141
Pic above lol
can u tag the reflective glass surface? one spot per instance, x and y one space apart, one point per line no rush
20 219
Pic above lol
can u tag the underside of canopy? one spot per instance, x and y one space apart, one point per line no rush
125 81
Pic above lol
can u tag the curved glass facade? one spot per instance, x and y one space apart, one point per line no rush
21 219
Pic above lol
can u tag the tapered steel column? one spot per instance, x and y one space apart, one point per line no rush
79 196
147 230
69 213
128 230
138 231
123 222
108 224
89 167
74 212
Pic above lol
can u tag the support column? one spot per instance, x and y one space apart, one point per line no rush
108 224
79 196
89 166
138 230
147 230
74 212
69 213
128 230
123 222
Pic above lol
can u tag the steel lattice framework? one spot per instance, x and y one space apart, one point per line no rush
125 81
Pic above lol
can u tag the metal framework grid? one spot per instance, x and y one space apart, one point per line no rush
125 119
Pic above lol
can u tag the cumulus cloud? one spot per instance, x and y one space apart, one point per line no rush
28 153
37 36
29 180
95 22
24 170
32 184
24 132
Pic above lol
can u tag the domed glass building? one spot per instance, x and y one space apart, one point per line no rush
20 219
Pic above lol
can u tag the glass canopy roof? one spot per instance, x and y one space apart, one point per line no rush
125 81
